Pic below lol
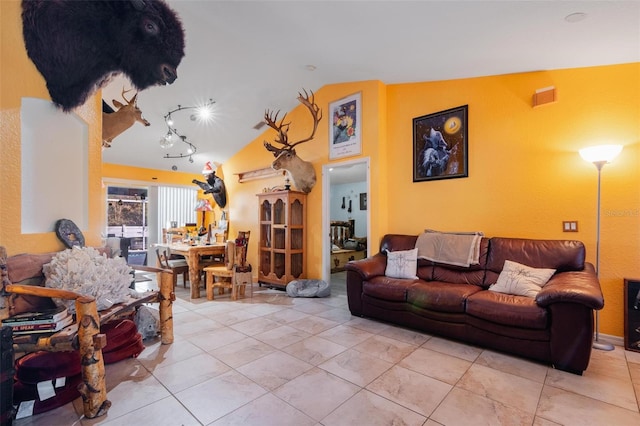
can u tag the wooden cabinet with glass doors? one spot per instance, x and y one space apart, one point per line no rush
282 237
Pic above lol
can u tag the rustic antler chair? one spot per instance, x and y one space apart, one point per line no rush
84 334
235 274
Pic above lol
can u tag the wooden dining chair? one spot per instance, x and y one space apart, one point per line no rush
173 235
242 271
178 266
220 276
235 274
213 259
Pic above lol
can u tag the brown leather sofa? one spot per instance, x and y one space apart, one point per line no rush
555 327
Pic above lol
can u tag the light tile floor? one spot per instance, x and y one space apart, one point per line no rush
274 360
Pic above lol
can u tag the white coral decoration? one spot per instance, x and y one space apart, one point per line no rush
84 270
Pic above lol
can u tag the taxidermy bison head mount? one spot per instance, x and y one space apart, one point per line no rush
79 45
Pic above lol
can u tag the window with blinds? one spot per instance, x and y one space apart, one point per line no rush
176 204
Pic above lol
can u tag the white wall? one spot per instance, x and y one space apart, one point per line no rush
351 192
53 140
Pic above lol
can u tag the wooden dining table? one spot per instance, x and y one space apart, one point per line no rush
192 255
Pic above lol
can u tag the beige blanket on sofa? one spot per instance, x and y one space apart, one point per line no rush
460 249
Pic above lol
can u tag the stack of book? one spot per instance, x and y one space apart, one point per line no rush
46 321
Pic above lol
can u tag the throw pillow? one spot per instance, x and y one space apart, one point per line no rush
521 280
402 264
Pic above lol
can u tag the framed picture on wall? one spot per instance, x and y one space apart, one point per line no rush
632 315
363 201
345 127
441 145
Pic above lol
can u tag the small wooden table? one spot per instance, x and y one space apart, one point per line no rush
339 258
192 255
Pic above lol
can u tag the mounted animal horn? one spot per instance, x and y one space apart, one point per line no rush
113 124
138 4
302 173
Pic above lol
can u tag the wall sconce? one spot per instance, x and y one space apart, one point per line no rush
343 206
349 209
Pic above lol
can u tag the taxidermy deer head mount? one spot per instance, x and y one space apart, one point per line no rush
117 122
302 172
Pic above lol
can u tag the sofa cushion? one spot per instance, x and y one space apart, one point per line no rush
39 366
561 255
27 269
514 311
21 303
29 395
23 266
402 264
440 296
131 349
425 270
521 280
392 289
473 274
395 242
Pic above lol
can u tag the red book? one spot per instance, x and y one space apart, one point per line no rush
42 328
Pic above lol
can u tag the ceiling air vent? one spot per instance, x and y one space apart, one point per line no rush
260 125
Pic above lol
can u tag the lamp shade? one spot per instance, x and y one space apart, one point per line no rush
204 206
166 141
600 153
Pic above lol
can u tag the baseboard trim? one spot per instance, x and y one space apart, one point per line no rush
614 340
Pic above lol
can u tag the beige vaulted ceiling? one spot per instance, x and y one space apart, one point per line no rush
252 55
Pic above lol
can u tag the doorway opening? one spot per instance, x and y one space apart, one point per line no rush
345 218
127 218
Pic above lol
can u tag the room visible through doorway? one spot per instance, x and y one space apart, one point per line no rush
345 218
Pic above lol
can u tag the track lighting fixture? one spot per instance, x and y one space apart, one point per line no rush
202 113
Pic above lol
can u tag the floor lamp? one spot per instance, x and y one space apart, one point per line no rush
599 156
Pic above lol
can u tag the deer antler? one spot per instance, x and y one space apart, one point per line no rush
309 101
282 128
133 100
271 119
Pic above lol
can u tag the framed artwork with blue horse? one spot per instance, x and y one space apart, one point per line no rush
441 145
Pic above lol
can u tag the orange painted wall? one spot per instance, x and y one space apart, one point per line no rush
243 202
525 173
525 176
19 78
150 176
115 172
